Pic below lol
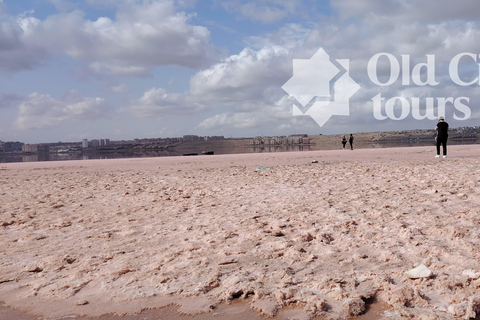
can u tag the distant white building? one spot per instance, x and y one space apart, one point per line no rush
84 143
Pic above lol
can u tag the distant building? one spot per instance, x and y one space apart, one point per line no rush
29 148
191 137
214 138
299 135
10 146
294 139
84 143
34 148
104 142
95 143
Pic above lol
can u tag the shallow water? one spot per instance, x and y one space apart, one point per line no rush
91 155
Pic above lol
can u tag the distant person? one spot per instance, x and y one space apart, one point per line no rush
344 142
442 136
350 140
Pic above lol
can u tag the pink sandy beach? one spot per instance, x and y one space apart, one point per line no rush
299 235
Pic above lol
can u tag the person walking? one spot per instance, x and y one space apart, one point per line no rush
442 136
344 142
350 140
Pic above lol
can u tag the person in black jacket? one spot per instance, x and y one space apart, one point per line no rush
442 136
350 140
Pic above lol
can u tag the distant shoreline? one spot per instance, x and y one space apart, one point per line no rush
230 146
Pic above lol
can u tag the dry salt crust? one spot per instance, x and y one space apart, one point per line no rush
325 232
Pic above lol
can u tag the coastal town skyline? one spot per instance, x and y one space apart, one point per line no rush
163 68
468 135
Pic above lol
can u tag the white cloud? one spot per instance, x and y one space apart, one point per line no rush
215 121
244 87
15 52
407 11
291 36
266 113
242 77
235 120
157 103
394 27
143 35
41 111
441 10
118 88
397 26
241 91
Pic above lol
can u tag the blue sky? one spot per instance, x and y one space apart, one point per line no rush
124 69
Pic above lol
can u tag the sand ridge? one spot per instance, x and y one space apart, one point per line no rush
92 237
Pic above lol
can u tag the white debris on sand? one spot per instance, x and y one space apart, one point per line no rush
419 272
328 237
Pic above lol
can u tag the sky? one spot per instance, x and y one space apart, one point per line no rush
125 69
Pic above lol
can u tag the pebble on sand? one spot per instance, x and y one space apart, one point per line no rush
419 272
